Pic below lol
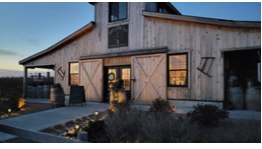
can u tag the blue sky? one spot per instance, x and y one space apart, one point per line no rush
27 28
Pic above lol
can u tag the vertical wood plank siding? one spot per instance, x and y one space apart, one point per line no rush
203 41
198 39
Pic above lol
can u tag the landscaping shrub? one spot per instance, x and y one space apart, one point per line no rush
10 92
128 124
162 106
207 114
119 106
96 129
234 131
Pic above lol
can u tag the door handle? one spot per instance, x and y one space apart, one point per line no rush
133 79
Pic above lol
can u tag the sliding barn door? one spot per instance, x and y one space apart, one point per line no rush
149 77
91 77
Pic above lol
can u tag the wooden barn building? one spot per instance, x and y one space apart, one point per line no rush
159 53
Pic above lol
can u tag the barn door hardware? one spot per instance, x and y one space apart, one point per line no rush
133 79
205 65
61 73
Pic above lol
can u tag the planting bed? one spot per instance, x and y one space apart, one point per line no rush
66 129
30 107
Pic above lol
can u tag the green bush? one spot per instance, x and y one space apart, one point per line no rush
162 106
207 114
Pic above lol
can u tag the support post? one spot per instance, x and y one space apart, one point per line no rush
25 83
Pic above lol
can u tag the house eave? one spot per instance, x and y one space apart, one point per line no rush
220 22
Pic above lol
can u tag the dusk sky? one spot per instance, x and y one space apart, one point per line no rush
27 28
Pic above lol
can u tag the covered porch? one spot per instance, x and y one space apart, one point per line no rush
33 80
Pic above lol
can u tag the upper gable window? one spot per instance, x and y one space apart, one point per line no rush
117 11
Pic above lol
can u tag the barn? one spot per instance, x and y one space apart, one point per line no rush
159 53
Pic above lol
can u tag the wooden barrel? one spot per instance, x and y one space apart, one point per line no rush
57 97
232 80
46 91
236 96
33 92
253 97
40 91
29 91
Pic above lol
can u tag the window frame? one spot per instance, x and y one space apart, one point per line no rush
187 73
109 12
69 72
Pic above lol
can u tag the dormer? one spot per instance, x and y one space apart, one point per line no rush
161 7
117 11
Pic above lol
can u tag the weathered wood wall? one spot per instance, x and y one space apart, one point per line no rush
96 41
115 61
201 40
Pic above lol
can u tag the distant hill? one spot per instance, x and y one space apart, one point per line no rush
10 73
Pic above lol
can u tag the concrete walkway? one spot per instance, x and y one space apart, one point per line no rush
41 120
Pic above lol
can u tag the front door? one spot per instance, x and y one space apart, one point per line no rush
117 73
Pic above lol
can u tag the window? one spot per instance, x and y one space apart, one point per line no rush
73 73
117 11
160 8
177 70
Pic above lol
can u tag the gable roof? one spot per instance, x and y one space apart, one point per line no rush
69 38
212 21
177 16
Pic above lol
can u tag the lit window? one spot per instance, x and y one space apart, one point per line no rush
73 73
177 70
117 11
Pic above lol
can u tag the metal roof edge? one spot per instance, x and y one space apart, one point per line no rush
212 21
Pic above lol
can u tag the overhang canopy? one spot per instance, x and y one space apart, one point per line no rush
126 53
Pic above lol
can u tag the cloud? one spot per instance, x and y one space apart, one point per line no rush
30 40
8 53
